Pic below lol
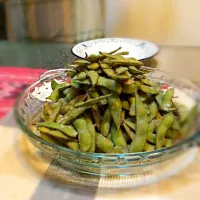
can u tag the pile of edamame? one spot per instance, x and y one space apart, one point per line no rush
108 105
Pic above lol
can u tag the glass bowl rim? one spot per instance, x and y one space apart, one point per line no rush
26 130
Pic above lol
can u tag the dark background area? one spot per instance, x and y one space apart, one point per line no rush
2 21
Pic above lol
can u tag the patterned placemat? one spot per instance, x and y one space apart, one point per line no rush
12 81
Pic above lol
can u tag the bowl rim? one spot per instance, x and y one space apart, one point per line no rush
192 140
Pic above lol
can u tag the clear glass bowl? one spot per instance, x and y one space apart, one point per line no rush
27 111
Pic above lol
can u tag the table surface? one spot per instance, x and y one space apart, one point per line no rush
184 61
181 60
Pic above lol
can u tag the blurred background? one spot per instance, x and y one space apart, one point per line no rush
36 35
169 22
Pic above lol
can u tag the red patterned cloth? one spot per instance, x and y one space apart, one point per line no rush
12 82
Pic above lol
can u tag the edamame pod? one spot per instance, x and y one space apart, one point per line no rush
73 144
54 133
96 116
115 107
91 130
84 137
149 147
109 84
93 66
130 89
121 70
142 125
93 77
132 106
161 131
105 123
117 137
73 114
149 89
153 110
91 102
103 143
68 130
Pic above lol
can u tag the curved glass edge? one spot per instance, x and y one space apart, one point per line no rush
194 139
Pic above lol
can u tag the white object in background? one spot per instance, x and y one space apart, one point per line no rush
139 49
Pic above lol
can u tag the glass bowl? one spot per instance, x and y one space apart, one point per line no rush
29 105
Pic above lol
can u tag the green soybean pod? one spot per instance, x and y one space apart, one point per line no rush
53 133
115 107
103 143
71 93
161 131
130 124
125 105
117 150
172 134
123 115
159 98
123 62
149 89
91 102
149 147
153 110
151 137
134 70
109 84
55 111
59 116
55 95
72 144
132 106
105 123
176 125
93 75
148 82
109 72
73 114
121 70
167 96
130 89
84 137
91 130
142 125
104 66
82 82
81 62
54 84
109 136
81 75
168 142
70 104
67 130
93 66
93 58
130 133
49 139
95 94
117 137
96 115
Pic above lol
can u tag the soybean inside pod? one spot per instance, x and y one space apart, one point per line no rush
110 105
